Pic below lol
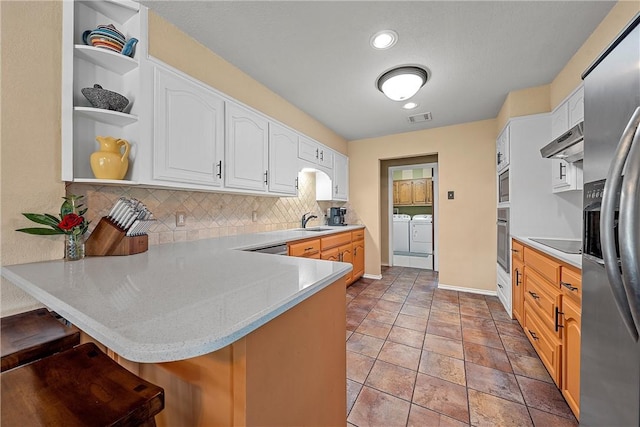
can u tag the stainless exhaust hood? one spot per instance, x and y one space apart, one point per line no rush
569 146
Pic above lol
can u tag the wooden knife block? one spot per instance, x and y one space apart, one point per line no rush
109 239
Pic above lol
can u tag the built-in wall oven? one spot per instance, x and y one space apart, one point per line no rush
504 254
503 186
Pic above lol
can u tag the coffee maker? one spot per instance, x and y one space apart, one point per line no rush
335 216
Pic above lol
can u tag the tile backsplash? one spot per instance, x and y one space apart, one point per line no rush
210 214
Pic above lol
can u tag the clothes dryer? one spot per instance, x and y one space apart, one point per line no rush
401 232
421 238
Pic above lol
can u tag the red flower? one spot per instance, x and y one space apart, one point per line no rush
69 221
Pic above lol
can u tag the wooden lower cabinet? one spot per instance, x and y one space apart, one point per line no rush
358 259
571 358
305 248
517 291
548 303
546 345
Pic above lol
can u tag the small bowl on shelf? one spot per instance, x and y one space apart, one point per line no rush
105 99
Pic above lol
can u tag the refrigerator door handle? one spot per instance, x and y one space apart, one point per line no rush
629 226
607 223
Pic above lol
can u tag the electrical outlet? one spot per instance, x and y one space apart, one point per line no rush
181 219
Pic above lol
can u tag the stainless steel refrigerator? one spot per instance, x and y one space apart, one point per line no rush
610 351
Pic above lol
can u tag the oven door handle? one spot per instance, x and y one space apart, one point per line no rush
629 226
612 186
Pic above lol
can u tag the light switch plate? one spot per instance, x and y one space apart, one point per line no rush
450 195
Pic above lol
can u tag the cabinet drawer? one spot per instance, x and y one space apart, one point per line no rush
304 249
543 298
517 250
547 347
331 254
335 240
571 283
546 267
357 235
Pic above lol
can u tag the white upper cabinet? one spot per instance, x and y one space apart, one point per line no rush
576 107
503 148
84 66
283 165
566 176
340 177
246 149
188 129
315 153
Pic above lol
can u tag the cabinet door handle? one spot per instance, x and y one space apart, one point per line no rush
322 156
534 295
340 256
517 277
355 251
336 189
563 168
317 153
499 158
296 183
499 285
557 321
515 250
568 286
533 334
219 166
266 176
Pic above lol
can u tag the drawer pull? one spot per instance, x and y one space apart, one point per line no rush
557 323
309 248
534 295
499 285
568 286
533 335
515 250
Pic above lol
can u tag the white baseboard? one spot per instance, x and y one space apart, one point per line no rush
470 290
372 276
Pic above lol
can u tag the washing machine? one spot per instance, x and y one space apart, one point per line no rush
401 232
421 234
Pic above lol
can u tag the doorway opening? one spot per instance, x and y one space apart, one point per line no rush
410 190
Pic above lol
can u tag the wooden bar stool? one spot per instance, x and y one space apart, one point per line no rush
33 335
78 387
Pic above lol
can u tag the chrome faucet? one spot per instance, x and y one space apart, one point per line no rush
306 219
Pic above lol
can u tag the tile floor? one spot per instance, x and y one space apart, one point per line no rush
422 356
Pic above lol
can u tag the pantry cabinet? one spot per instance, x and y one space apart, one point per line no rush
283 167
188 130
246 149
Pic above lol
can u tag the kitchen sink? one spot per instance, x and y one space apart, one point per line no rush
312 229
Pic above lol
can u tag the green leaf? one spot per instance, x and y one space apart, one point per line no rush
40 231
53 218
43 219
66 208
82 212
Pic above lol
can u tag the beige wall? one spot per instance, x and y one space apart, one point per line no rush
524 102
569 78
466 165
30 138
168 43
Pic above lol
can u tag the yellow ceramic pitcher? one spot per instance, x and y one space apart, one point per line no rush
109 162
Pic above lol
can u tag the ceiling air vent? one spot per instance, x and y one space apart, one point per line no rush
417 118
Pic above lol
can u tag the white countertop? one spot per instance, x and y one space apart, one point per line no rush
571 259
179 300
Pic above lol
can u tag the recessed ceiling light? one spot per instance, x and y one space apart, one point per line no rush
409 105
384 39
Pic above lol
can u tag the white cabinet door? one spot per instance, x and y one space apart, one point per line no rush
325 157
340 177
576 107
246 149
283 165
189 130
502 150
308 150
560 120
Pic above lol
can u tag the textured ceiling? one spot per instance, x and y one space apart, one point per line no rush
316 54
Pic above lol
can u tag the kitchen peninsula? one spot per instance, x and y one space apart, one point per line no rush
234 337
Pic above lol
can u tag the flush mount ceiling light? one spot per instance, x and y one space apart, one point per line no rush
409 105
402 83
384 39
